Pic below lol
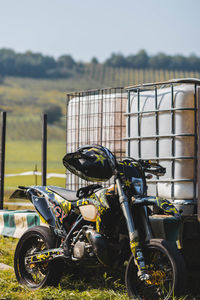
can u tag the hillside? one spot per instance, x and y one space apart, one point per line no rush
25 99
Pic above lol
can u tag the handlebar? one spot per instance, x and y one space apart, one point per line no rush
152 167
147 166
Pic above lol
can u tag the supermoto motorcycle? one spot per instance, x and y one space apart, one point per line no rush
101 225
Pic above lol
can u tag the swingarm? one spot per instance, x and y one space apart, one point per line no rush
45 256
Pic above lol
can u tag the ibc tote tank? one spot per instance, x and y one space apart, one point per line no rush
162 126
96 117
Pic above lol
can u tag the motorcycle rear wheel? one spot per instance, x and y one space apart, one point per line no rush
166 268
36 239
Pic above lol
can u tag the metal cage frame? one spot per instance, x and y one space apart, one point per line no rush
138 89
96 123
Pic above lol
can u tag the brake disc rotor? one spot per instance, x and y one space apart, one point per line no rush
156 277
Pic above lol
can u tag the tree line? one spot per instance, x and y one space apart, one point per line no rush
37 65
161 61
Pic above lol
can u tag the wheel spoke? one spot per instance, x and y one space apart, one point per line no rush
34 274
38 271
160 269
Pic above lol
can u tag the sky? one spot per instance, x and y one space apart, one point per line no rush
97 28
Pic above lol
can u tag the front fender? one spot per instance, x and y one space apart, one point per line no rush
165 205
164 226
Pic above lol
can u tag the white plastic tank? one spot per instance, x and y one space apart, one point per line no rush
164 128
96 118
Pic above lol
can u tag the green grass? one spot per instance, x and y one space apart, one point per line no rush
67 290
22 156
7 247
80 285
28 127
76 283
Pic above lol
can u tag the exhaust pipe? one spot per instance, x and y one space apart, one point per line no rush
99 245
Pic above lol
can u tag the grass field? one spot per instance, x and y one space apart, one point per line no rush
23 156
25 99
76 284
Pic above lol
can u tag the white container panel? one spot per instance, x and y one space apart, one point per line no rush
164 123
165 147
182 146
151 189
148 125
184 122
148 148
134 149
184 169
181 190
134 126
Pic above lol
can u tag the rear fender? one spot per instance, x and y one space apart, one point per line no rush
44 210
50 206
40 200
20 194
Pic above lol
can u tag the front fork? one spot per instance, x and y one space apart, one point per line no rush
133 232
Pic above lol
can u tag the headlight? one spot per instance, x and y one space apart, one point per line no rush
138 185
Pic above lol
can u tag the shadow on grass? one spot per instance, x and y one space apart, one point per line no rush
193 286
83 278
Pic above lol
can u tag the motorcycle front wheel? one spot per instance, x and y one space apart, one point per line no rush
36 276
166 270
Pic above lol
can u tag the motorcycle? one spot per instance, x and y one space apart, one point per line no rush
101 225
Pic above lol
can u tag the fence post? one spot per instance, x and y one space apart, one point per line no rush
44 149
2 162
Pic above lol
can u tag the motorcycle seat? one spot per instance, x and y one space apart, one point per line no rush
69 195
